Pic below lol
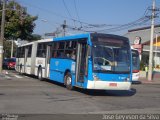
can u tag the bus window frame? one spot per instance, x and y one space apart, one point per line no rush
56 49
29 54
42 52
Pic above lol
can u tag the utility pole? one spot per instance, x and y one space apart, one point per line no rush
64 27
12 42
2 35
150 71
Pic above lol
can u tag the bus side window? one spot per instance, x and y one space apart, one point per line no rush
54 54
29 51
60 54
73 55
18 52
70 54
41 51
61 45
70 49
22 54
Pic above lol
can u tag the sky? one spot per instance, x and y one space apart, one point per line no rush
52 13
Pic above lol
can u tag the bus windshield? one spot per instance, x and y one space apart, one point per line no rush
115 59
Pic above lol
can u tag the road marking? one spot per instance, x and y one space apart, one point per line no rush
7 77
18 76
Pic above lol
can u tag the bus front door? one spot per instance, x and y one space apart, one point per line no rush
81 61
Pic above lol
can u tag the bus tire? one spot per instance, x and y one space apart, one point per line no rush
40 74
68 81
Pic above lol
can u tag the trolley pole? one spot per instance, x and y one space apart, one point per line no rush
151 43
2 35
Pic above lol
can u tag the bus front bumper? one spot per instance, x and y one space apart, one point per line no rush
108 85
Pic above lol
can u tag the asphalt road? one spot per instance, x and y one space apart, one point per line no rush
20 94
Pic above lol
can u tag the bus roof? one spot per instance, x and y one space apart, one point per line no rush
44 40
30 43
38 41
77 36
87 35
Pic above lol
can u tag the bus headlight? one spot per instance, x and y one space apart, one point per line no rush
127 79
95 78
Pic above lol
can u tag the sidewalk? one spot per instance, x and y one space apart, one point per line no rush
144 79
2 75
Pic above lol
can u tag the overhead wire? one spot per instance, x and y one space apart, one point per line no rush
56 14
53 13
140 21
65 5
76 10
126 26
86 25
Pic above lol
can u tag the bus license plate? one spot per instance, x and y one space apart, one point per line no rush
113 84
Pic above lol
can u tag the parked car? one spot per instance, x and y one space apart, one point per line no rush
9 63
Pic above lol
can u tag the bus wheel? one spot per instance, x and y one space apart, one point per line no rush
40 74
68 81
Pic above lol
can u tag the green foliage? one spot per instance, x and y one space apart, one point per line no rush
18 23
7 49
34 37
142 66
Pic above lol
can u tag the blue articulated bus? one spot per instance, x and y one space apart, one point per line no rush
92 61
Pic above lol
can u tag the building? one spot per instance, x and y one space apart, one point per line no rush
140 39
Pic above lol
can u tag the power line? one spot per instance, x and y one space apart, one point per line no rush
56 14
95 26
75 6
44 10
140 21
67 9
65 5
125 26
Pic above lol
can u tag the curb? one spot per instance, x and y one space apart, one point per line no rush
2 75
150 82
4 72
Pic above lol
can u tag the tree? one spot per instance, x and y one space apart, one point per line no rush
7 49
35 37
18 23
